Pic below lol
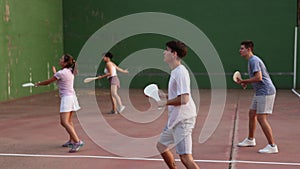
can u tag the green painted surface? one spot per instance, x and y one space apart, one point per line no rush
270 24
34 34
31 39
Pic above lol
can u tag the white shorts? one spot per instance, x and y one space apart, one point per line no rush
69 104
180 135
263 104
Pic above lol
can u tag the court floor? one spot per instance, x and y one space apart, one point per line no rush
31 135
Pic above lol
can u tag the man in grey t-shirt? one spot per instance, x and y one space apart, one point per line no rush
263 100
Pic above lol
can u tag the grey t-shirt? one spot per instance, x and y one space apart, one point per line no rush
266 86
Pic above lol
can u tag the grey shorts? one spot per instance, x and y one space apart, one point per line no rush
263 104
114 80
180 135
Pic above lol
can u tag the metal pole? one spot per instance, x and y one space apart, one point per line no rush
295 57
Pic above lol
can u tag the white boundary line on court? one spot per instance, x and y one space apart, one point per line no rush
147 159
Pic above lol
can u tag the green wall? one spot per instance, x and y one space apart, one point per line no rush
31 41
270 24
34 34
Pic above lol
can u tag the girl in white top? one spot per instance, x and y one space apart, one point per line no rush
111 74
69 103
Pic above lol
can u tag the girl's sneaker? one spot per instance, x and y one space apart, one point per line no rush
121 109
67 144
76 146
113 112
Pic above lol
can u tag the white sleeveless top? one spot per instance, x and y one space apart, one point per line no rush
113 73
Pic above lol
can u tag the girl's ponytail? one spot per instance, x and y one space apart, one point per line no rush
74 67
71 63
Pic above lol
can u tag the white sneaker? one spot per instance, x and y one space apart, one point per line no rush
269 149
121 108
247 143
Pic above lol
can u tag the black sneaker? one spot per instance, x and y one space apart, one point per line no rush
113 112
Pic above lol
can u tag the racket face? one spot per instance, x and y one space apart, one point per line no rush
149 89
152 91
236 75
86 80
27 85
89 79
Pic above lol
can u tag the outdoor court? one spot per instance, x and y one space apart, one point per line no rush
31 135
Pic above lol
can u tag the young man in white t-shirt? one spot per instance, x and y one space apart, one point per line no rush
181 108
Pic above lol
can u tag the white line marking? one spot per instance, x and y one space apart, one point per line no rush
8 83
30 79
295 92
146 159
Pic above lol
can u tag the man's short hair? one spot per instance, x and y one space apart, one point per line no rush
248 44
179 47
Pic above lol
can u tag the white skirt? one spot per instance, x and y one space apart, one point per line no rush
69 104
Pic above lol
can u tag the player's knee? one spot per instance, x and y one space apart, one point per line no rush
183 158
114 94
64 123
252 113
160 147
186 159
261 119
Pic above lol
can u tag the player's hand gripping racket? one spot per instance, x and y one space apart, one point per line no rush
237 75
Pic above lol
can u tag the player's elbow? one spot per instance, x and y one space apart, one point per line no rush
259 79
185 99
258 76
184 102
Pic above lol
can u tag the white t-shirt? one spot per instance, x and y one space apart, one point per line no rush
65 81
179 84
